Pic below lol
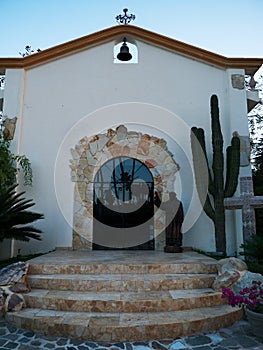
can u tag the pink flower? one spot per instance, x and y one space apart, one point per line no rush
250 296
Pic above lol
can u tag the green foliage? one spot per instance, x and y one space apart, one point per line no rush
213 199
15 218
7 168
254 267
10 165
258 183
197 140
253 250
232 168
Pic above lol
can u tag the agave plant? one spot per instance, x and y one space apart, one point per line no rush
15 219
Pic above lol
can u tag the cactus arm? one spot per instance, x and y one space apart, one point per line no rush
217 143
218 170
233 164
208 209
200 135
200 172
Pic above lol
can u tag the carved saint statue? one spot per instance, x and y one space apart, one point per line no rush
174 220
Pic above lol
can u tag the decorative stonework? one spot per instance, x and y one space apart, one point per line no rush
238 81
92 152
9 128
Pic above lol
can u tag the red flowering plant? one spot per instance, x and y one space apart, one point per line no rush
251 297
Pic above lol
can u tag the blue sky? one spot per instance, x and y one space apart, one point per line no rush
232 28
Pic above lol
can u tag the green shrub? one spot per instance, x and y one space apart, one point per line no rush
10 165
253 252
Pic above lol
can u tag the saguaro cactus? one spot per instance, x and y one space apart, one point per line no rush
218 189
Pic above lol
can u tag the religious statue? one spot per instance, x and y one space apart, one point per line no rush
174 220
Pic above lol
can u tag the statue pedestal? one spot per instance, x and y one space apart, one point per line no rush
172 249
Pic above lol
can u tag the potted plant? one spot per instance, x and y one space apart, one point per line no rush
251 299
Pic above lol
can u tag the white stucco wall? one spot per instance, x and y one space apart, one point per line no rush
238 122
63 98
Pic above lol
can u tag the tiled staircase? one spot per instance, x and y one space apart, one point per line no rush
124 299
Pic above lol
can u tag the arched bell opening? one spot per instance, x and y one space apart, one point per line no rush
123 208
125 51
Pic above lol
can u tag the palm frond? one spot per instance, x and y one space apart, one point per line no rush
14 216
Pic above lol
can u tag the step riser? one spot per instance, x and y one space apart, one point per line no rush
115 306
120 285
94 269
96 331
120 296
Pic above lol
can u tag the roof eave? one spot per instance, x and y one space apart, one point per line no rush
249 64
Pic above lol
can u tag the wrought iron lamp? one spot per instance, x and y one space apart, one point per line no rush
125 19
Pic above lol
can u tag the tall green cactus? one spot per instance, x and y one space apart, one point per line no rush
213 199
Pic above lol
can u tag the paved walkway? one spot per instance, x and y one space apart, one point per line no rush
236 337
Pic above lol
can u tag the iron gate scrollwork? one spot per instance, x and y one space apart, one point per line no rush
123 199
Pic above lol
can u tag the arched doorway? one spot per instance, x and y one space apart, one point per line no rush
123 208
91 153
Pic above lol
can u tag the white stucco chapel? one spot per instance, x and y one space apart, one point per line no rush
83 115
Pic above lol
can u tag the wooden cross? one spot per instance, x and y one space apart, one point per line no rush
247 202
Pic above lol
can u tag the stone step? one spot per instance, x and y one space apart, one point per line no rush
121 261
121 282
113 327
118 268
123 296
158 301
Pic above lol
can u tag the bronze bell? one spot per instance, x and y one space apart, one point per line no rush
124 54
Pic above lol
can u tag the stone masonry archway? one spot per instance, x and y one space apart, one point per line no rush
92 152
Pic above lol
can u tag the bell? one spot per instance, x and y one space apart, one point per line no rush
124 54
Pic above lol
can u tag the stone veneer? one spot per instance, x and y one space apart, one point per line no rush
121 297
92 152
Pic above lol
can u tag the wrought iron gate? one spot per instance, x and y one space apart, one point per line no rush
123 205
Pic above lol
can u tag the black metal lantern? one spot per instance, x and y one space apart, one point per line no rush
124 54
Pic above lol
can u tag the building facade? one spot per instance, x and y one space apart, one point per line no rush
78 107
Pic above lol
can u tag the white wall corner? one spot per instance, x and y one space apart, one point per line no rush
13 100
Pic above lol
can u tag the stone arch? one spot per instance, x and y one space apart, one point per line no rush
92 152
